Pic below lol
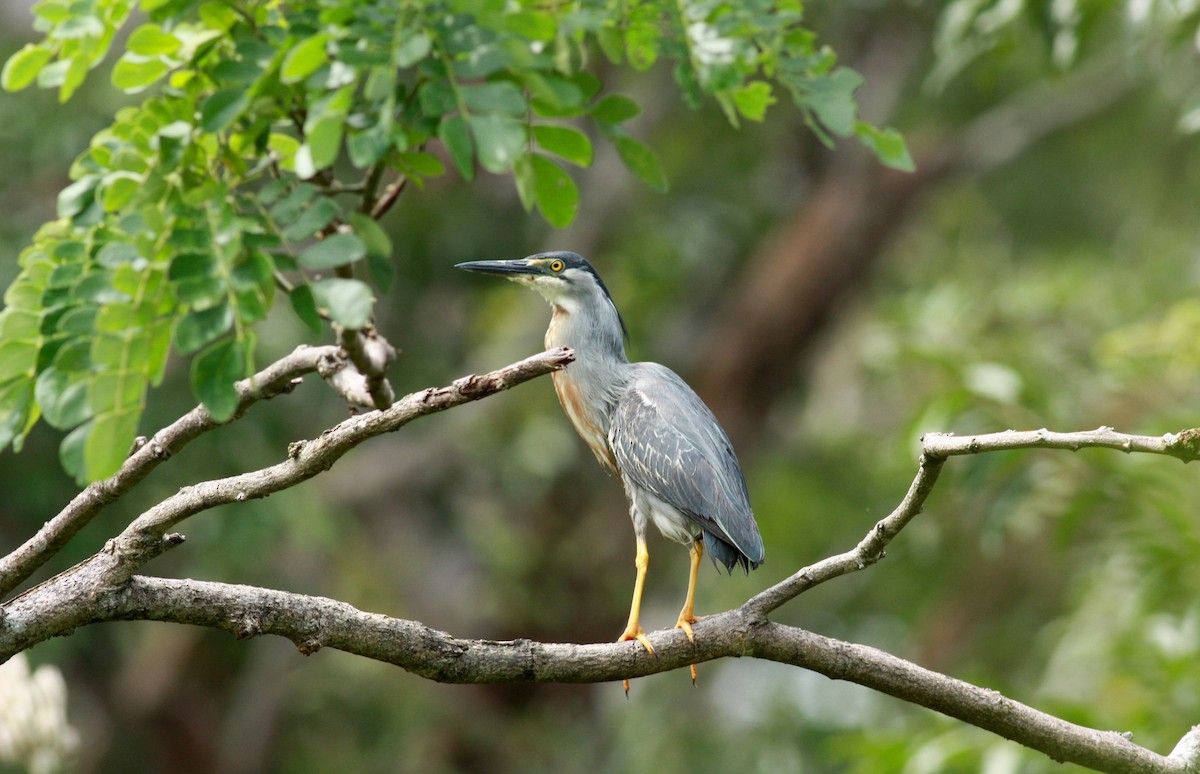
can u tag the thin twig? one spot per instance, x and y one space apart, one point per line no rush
390 194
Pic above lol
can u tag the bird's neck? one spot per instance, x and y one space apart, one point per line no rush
589 387
594 336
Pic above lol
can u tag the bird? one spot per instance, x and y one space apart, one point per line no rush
644 424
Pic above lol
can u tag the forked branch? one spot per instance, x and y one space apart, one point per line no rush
104 588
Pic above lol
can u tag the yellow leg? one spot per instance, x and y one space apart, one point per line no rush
687 616
633 628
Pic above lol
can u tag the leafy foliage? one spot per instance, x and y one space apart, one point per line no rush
265 157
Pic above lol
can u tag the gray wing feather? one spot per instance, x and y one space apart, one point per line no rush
666 440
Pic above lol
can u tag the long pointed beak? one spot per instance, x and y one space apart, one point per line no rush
509 269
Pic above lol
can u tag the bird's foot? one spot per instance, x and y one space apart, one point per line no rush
634 631
685 622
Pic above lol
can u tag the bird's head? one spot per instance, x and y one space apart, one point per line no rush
563 278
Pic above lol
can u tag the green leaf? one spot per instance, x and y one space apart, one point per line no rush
323 141
284 146
566 142
217 16
134 73
290 206
412 50
831 98
642 37
374 238
304 59
523 175
615 109
318 216
436 98
382 270
348 301
453 133
531 25
499 139
753 99
305 307
77 197
220 109
70 451
379 249
887 144
63 399
23 67
556 193
420 163
117 189
554 96
612 44
17 358
113 254
150 40
495 97
641 161
197 329
214 373
335 250
368 146
192 266
108 443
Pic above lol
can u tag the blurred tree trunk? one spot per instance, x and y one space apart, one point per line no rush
796 280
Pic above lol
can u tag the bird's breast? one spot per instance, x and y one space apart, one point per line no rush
585 422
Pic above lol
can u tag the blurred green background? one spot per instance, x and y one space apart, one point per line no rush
1039 269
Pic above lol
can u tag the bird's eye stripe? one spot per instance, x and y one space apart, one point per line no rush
556 265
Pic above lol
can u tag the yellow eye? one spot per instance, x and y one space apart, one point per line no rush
556 266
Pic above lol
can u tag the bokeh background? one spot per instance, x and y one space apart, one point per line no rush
1040 268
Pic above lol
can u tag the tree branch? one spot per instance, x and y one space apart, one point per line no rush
1184 445
313 623
103 588
277 378
371 355
147 536
308 458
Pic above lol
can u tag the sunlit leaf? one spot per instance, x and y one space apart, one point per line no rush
566 142
304 58
133 73
150 40
887 144
23 67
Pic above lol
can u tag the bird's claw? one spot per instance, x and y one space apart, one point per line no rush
634 632
685 622
637 634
